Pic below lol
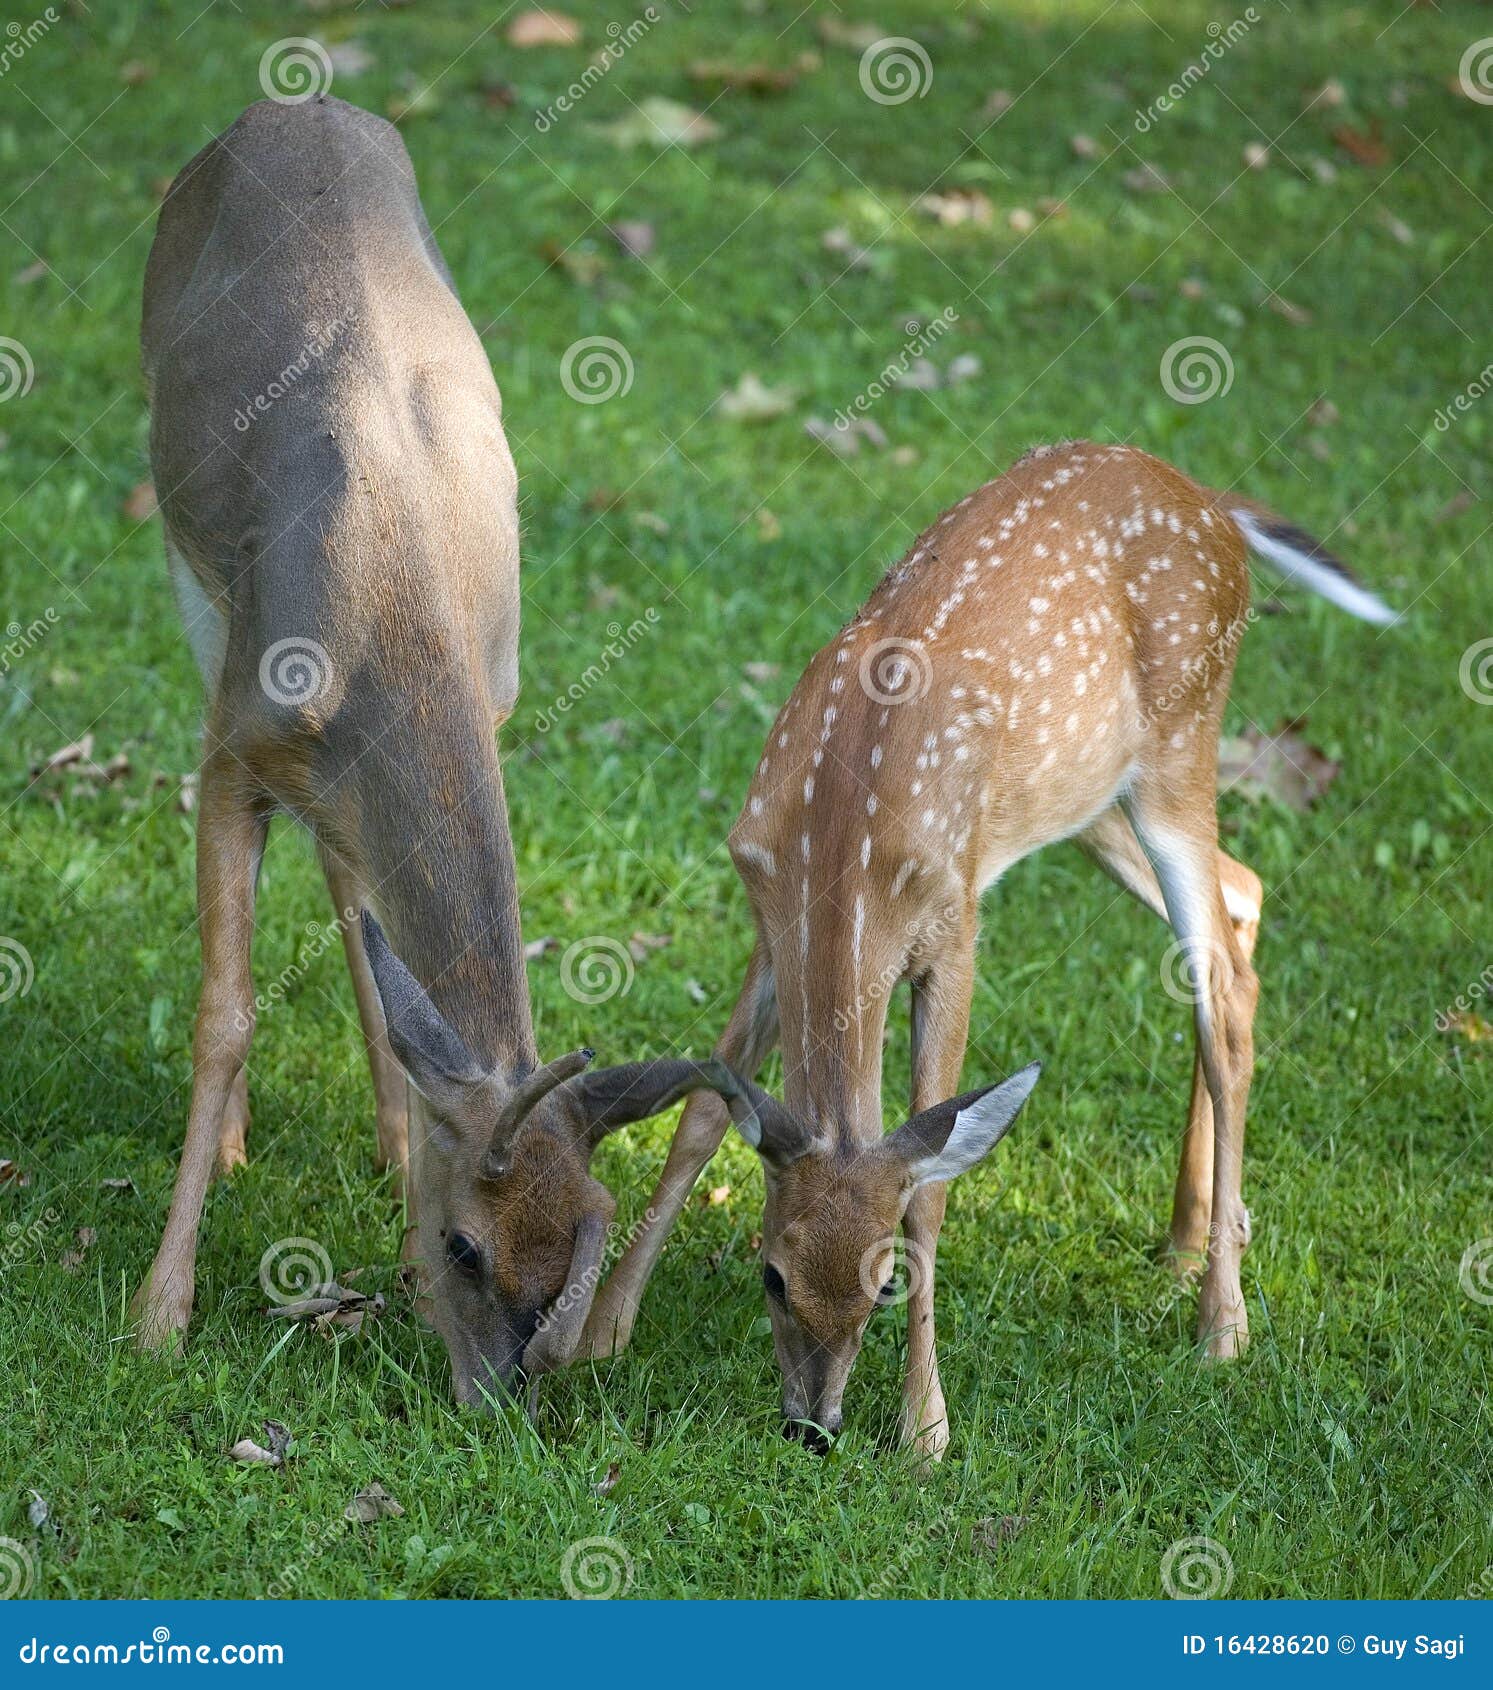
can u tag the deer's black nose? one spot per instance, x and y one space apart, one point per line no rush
815 1438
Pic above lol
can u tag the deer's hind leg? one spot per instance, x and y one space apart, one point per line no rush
1181 840
1111 842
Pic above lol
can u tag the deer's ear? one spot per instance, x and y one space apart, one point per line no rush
429 1049
950 1137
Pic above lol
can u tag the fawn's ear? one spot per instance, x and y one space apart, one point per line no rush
429 1049
952 1136
632 1091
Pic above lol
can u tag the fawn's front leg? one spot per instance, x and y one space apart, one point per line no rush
745 1045
940 1027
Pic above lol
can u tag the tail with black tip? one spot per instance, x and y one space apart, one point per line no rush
1299 557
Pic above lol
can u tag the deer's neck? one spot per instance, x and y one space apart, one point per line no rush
429 813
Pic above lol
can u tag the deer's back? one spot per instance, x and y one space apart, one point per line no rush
1039 643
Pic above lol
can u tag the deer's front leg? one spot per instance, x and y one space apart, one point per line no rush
940 1026
745 1045
230 841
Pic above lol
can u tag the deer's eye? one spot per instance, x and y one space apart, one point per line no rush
464 1255
887 1294
772 1284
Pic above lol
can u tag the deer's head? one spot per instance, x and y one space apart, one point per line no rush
830 1221
512 1227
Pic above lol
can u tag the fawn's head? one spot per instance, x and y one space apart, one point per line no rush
829 1247
512 1227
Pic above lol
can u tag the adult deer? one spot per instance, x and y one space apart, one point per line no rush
1051 660
341 524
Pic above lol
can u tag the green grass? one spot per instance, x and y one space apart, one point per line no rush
1348 1453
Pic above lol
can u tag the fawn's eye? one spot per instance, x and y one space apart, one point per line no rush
772 1284
464 1255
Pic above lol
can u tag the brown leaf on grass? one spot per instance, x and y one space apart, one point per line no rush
1084 146
1146 179
997 104
844 32
256 1455
1323 413
608 1481
1282 766
39 1512
717 1195
745 79
31 273
583 266
84 1239
1363 146
751 400
991 1535
1468 1025
330 1307
11 1173
641 943
1256 155
539 947
635 239
839 242
1326 98
539 28
657 122
124 1183
953 206
372 1503
761 672
64 757
135 72
1297 314
697 993
496 94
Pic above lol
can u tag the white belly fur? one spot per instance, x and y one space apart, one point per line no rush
206 625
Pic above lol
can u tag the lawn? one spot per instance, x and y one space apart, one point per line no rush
1084 228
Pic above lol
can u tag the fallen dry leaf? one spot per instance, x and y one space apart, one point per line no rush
697 992
657 122
746 79
256 1455
84 1239
1146 179
1329 96
11 1174
539 28
350 58
1256 156
752 401
991 1535
843 32
953 206
761 671
372 1503
125 1183
1323 413
717 1195
65 757
1282 766
31 273
330 1307
608 1481
1363 146
839 242
635 239
583 266
641 943
1297 314
997 104
539 947
1466 1024
1085 146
